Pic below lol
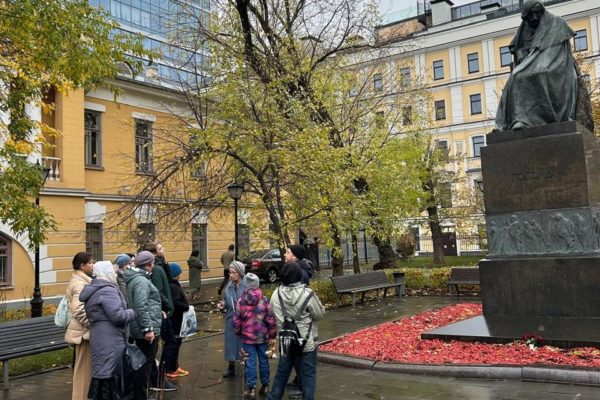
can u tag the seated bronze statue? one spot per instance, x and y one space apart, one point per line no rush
545 85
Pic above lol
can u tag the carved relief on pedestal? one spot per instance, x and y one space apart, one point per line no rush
550 232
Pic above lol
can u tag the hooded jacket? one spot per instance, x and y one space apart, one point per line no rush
144 298
108 315
293 297
254 320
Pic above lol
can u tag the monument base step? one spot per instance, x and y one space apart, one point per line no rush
564 332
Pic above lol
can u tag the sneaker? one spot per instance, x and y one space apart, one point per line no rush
182 372
295 394
173 375
250 394
264 390
167 387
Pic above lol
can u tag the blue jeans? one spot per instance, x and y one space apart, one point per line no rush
257 351
307 365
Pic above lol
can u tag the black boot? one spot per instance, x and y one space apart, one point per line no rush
230 371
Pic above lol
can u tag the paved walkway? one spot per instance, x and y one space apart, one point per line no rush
204 358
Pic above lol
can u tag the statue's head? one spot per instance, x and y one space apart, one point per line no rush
532 12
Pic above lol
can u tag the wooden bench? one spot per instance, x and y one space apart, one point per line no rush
362 283
463 276
27 337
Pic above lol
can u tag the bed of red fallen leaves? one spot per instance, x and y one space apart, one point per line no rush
399 341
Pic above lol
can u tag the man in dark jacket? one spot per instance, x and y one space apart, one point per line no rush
180 305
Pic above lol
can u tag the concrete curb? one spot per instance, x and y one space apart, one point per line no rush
524 373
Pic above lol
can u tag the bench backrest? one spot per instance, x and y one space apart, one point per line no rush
30 336
356 281
464 274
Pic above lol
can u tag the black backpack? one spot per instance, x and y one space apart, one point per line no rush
291 343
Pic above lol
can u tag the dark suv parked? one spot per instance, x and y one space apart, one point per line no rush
265 263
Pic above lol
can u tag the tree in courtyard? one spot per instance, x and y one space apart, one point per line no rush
46 46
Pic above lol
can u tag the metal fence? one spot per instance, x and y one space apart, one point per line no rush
465 244
367 251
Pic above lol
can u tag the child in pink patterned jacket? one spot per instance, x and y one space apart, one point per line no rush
255 323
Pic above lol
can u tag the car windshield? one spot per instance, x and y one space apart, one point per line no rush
257 254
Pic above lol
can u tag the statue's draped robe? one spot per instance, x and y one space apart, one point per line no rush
542 87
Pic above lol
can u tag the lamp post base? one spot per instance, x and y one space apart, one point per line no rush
37 303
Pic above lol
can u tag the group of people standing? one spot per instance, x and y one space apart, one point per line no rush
252 320
136 298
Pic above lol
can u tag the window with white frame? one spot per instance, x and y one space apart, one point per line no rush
505 56
146 232
378 82
143 146
475 100
200 241
93 241
93 138
580 40
473 62
477 143
405 76
440 110
438 69
5 261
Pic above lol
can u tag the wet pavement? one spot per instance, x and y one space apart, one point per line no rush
204 358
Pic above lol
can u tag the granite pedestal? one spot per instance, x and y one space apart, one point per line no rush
542 274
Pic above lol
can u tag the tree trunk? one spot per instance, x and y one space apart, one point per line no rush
355 260
436 235
387 256
337 258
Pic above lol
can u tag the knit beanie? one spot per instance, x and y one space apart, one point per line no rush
175 269
239 267
298 251
252 281
291 272
143 258
122 260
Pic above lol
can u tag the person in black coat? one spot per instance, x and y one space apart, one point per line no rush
180 305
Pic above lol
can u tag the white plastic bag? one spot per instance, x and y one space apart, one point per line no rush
62 317
188 324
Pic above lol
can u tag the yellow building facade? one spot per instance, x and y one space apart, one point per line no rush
107 147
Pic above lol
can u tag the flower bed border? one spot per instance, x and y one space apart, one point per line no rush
532 372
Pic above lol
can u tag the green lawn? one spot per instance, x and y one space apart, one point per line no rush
40 362
451 261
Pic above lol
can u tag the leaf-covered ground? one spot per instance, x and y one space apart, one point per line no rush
399 341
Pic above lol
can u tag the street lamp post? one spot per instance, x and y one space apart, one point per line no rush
37 302
235 191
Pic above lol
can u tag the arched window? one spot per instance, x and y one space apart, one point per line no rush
5 261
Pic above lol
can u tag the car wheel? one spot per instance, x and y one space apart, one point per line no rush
272 275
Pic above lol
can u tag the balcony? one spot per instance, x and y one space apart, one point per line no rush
53 164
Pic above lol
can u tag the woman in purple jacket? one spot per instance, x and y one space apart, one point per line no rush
255 322
109 316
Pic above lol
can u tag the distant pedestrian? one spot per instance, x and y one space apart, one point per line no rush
180 305
78 330
122 261
195 267
226 258
297 300
233 291
108 315
254 322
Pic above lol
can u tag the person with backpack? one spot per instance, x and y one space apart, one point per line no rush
296 308
254 322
